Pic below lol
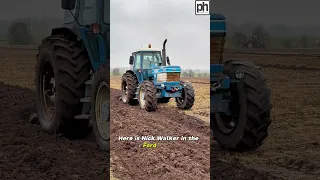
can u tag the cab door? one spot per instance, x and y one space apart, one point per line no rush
138 66
93 31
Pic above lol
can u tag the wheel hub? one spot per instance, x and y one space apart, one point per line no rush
48 91
102 104
142 98
125 93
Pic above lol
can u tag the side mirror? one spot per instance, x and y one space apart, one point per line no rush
68 4
131 60
168 61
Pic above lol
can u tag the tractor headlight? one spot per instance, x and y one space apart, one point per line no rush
162 77
162 85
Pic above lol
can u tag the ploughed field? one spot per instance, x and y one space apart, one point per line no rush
292 150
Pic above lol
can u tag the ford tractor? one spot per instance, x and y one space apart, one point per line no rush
239 97
73 74
151 81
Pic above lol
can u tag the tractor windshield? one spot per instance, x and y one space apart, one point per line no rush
151 59
88 12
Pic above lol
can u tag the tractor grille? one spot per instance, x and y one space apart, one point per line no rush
216 49
168 77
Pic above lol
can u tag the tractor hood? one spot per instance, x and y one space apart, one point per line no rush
166 69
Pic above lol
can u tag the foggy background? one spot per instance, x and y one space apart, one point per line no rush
280 18
152 21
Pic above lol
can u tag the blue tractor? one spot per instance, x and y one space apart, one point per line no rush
239 96
73 74
150 81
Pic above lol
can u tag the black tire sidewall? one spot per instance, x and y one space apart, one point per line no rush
186 87
100 76
235 136
46 55
149 97
130 95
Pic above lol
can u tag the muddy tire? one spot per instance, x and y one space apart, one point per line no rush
100 107
129 84
252 106
67 60
188 97
148 96
164 100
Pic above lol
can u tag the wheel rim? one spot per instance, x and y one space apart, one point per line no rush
47 91
124 92
181 99
142 99
226 124
102 110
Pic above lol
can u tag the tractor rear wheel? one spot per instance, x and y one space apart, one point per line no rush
186 100
61 71
129 84
148 96
100 112
250 103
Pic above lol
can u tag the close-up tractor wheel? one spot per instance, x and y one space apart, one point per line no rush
187 98
247 127
129 84
100 107
148 96
61 71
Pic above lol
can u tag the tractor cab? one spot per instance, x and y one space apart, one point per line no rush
144 60
90 21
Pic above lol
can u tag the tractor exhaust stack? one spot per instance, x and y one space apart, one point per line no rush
164 56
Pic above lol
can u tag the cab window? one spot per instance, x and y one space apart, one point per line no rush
137 61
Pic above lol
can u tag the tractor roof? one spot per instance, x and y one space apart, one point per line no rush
148 49
214 16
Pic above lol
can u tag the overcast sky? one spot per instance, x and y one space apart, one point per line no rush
152 21
305 12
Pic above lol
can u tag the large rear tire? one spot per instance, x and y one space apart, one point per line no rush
61 71
251 102
129 84
148 96
100 112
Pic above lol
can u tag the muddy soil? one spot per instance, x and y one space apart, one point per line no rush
26 152
169 160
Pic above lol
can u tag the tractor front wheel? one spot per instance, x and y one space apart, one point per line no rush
247 127
129 84
61 71
186 100
148 96
100 112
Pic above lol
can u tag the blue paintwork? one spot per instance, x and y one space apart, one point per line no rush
166 69
217 24
97 46
219 100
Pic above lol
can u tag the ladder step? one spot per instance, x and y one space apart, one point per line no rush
88 82
86 99
82 116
